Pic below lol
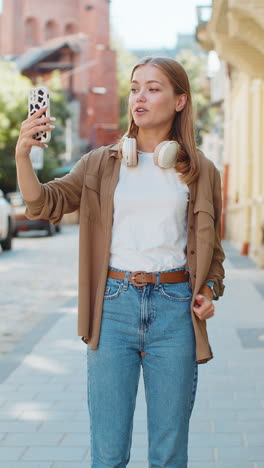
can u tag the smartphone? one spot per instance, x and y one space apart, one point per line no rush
37 98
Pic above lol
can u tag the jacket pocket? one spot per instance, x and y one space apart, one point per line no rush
91 197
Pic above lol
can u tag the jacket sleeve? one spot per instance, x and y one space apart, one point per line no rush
216 271
59 196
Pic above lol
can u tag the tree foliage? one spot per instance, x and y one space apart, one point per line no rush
14 89
195 67
125 62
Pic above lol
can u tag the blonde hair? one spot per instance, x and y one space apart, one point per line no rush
182 129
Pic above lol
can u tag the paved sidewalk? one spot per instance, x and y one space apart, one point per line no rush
43 410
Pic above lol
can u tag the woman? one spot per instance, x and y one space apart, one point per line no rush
150 263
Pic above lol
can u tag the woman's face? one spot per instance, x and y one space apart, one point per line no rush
152 100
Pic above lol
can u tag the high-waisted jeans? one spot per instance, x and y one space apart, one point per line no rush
154 319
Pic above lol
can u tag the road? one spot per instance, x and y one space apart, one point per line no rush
37 276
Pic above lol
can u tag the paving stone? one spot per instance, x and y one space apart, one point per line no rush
79 406
139 439
50 453
139 453
51 415
44 380
19 426
213 414
9 415
10 453
77 439
8 388
257 395
250 415
69 426
254 454
58 396
234 385
81 415
200 426
201 453
135 464
71 465
203 464
255 439
21 464
236 404
36 388
22 404
239 426
215 440
28 439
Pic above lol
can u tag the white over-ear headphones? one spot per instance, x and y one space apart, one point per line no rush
165 154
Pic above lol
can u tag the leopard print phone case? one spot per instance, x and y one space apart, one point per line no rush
39 97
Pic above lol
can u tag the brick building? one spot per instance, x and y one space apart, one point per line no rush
72 36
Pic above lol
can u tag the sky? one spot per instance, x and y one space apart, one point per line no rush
152 23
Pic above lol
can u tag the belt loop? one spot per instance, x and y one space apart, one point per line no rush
156 287
127 274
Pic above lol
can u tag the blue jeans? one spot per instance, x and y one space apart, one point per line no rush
154 319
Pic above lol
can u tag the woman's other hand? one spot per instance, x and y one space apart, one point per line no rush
203 306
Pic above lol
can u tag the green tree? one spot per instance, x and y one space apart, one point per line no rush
125 62
14 90
204 115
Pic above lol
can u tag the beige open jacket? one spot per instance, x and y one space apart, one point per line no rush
90 186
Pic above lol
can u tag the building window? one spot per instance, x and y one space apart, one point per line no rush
31 31
70 28
51 29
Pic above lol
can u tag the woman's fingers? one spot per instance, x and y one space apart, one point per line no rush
43 120
38 121
37 114
203 316
26 124
38 143
38 128
203 309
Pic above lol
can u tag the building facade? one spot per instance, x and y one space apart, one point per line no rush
236 32
73 37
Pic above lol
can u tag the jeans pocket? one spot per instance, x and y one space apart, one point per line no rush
113 288
177 292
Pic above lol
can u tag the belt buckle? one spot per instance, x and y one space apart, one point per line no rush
133 278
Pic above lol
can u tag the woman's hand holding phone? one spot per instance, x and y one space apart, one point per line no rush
33 124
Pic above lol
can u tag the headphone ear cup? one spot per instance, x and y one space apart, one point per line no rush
165 154
129 151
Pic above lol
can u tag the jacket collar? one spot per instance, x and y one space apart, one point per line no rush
114 150
115 147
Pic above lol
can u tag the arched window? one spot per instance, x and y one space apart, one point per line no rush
31 31
51 29
70 28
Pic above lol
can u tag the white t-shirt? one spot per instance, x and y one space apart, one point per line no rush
149 229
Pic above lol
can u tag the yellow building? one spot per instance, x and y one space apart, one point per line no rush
236 32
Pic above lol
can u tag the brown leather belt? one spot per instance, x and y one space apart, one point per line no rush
142 278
